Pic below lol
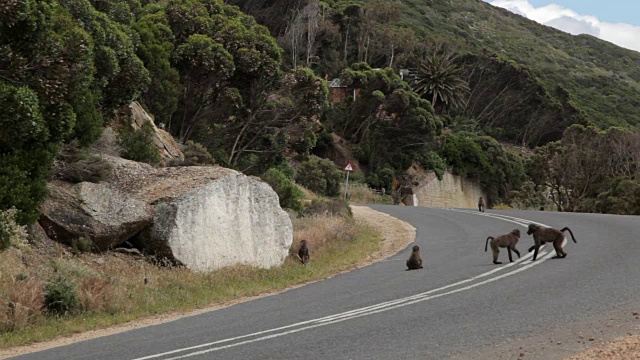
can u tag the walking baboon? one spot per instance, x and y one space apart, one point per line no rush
481 204
303 252
508 241
415 260
542 235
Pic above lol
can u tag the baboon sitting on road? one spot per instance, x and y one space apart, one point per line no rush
542 235
508 241
415 260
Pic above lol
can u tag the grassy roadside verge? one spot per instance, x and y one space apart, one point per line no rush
111 289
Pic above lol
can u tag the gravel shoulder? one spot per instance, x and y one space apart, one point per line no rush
396 235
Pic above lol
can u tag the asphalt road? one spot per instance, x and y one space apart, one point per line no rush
458 303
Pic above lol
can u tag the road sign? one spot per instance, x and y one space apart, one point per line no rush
349 167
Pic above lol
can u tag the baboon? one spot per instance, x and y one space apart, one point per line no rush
415 260
542 235
508 241
481 204
303 252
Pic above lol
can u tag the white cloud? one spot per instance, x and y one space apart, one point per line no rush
567 20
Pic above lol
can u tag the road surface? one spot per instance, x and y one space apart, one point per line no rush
457 306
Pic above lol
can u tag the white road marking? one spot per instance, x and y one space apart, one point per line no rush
368 310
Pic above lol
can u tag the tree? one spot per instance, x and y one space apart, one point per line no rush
321 176
439 78
390 125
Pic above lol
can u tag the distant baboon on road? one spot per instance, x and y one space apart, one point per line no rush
508 241
415 260
481 204
542 235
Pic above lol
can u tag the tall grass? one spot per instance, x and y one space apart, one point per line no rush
112 288
362 194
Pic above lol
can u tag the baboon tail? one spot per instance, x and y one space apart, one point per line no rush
570 232
486 243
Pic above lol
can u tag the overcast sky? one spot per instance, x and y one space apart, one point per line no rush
617 21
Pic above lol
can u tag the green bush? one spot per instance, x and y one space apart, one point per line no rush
60 296
81 245
197 155
10 232
138 145
336 207
320 176
382 178
290 195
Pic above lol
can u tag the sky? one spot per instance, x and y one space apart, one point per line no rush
617 21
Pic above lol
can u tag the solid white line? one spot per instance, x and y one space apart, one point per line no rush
202 352
368 310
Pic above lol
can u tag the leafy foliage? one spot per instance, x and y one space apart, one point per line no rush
320 176
196 155
60 296
11 233
439 79
290 195
138 145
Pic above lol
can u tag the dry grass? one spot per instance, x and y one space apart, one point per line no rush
94 294
112 290
319 230
362 194
22 303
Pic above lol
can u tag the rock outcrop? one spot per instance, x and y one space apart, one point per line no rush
133 116
100 212
207 217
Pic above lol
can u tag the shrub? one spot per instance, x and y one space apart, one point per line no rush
10 232
76 164
60 296
138 145
81 245
195 154
335 207
289 194
320 176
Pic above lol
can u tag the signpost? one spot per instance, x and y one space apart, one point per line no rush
348 169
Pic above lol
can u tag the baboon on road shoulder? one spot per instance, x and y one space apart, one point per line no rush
543 235
303 252
508 241
415 260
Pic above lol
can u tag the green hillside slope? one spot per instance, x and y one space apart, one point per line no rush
600 79
603 78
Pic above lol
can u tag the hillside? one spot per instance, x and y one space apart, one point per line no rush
603 78
600 79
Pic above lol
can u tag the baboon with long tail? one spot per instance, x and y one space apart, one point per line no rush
508 241
543 235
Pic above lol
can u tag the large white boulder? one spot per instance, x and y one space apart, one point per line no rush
207 217
233 220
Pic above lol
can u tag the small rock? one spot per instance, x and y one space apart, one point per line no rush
635 314
558 343
521 354
592 339
99 261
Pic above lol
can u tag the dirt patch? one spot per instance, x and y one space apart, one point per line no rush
624 348
612 335
396 235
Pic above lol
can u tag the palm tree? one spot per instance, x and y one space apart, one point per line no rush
439 79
